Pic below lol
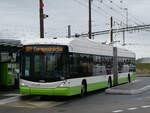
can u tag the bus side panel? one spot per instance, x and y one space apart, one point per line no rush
5 78
133 76
123 80
24 90
96 86
3 73
74 90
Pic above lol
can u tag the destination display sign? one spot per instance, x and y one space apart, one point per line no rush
44 49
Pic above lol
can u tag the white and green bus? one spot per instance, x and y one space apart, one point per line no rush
71 66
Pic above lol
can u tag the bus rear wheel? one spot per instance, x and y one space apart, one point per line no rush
129 78
83 89
109 83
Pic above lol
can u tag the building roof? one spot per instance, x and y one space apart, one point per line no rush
10 42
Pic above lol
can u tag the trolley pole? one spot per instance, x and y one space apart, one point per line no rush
115 59
90 21
41 19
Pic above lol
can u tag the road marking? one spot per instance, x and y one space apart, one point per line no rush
9 100
35 104
117 111
146 106
134 108
130 109
12 94
147 97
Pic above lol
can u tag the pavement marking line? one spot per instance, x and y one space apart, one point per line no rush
12 94
9 100
43 104
146 106
147 97
31 104
134 108
117 111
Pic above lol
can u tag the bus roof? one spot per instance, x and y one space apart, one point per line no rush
81 45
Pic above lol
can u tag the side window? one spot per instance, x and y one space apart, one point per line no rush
74 62
125 69
27 66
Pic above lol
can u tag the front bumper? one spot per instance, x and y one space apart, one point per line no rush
50 91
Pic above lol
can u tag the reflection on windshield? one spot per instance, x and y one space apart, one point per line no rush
37 63
27 65
51 63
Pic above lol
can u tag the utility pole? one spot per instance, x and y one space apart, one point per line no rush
124 38
69 31
111 29
115 59
41 19
90 20
126 9
127 17
115 66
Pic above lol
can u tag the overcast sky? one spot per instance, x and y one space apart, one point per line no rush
19 19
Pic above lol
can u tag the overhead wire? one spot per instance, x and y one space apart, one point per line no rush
106 13
112 9
135 20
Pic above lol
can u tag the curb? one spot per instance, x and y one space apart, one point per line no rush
127 92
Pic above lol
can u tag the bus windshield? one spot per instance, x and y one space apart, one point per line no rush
44 67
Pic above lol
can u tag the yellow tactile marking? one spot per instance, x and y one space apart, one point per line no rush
35 104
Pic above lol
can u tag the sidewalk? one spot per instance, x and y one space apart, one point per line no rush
140 85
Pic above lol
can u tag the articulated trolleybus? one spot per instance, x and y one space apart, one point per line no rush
71 66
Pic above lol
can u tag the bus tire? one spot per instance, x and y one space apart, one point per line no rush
83 88
129 78
109 82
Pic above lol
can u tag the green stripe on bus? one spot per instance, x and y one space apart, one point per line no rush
133 76
96 86
125 79
61 91
50 91
70 90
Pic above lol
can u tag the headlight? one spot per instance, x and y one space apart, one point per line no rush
64 84
23 84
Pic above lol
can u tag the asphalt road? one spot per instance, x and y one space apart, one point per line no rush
95 102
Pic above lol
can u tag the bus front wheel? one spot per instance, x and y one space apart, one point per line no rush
109 83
